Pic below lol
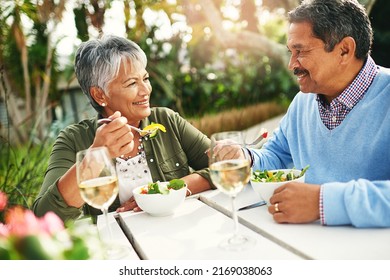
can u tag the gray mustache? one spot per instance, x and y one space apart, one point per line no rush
299 71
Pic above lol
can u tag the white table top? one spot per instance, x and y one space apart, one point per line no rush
193 232
203 221
312 241
118 236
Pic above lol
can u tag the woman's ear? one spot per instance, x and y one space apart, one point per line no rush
347 48
98 95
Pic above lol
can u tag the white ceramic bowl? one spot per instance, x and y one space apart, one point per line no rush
266 189
160 204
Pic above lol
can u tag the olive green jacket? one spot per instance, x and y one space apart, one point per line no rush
173 154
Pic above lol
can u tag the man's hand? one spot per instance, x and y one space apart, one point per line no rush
295 203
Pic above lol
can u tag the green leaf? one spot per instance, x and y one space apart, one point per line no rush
176 184
79 250
31 248
304 170
153 188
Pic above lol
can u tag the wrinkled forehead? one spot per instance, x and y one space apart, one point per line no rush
301 33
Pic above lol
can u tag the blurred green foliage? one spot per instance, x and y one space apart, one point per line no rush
211 79
22 170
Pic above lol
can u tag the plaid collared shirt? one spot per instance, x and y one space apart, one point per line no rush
334 113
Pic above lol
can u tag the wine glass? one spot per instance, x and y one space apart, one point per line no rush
98 185
230 172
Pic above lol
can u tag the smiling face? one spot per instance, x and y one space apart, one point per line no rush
129 93
317 70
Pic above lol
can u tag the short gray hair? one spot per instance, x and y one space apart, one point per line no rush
333 20
98 61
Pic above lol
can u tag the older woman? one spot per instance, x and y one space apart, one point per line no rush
112 73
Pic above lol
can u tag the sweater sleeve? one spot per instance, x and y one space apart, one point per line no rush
49 198
361 203
70 140
275 153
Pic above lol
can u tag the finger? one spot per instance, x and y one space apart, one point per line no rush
271 209
116 124
277 213
116 114
111 131
228 152
233 153
280 217
277 196
126 149
120 142
280 189
127 206
125 143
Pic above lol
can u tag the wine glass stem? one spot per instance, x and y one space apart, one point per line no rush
105 212
234 215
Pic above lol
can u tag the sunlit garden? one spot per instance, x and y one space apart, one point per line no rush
220 64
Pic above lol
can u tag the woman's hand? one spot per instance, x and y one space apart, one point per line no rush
128 205
116 136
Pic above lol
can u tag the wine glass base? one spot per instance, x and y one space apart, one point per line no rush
238 243
115 251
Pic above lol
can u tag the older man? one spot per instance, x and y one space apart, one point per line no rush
339 122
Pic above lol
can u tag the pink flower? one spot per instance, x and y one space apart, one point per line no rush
22 222
51 223
3 201
4 230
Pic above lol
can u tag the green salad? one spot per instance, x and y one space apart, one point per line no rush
157 187
276 176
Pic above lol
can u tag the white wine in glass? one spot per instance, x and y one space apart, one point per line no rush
98 185
230 172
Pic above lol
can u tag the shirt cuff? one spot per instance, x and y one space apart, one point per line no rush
322 214
249 154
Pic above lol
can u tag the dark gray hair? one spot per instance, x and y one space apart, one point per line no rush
98 61
333 20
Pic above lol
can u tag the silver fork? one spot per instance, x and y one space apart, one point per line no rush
142 132
263 135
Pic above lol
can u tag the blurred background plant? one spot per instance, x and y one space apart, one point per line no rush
23 236
22 168
220 63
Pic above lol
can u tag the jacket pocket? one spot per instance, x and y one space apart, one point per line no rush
175 166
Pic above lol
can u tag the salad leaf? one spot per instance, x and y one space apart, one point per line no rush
276 176
155 127
158 188
176 184
153 188
304 170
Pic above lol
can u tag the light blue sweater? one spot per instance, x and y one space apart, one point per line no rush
351 162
